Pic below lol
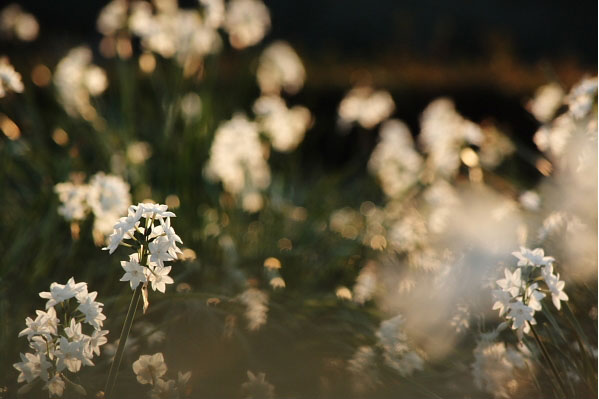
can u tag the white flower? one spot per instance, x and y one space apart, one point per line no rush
32 366
257 387
92 310
555 285
284 126
547 100
60 293
535 257
108 197
73 331
71 355
246 21
396 350
165 229
256 303
160 250
96 340
158 277
76 79
215 12
512 282
534 297
46 323
134 272
521 316
163 389
55 385
280 68
394 160
237 158
10 80
148 368
157 211
366 106
73 198
502 301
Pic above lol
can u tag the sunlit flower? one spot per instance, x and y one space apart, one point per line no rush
284 126
73 198
92 310
521 316
113 17
534 297
55 385
134 272
546 101
512 282
236 157
555 285
246 21
76 79
148 368
443 134
535 257
10 80
366 107
256 303
32 366
396 350
60 293
280 68
18 23
394 160
158 277
581 97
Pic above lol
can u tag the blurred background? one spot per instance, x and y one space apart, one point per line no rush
316 214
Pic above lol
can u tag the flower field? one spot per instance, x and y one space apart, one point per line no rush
193 209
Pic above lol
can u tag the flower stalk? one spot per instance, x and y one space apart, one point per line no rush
549 360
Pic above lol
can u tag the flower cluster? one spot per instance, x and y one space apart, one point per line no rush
280 68
149 369
106 196
10 80
64 337
498 368
14 22
285 127
155 242
520 294
397 352
76 79
366 106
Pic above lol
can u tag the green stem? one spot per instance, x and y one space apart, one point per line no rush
114 367
549 360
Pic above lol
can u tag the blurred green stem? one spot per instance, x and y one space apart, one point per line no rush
114 367
549 360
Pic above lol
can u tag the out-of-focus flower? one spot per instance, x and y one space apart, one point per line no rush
366 107
444 133
76 79
18 23
396 350
394 160
108 197
257 387
280 68
246 21
497 368
284 126
113 17
73 198
366 283
362 366
581 98
149 367
10 80
546 101
214 12
236 157
256 303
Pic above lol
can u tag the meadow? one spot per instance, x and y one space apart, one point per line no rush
192 212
